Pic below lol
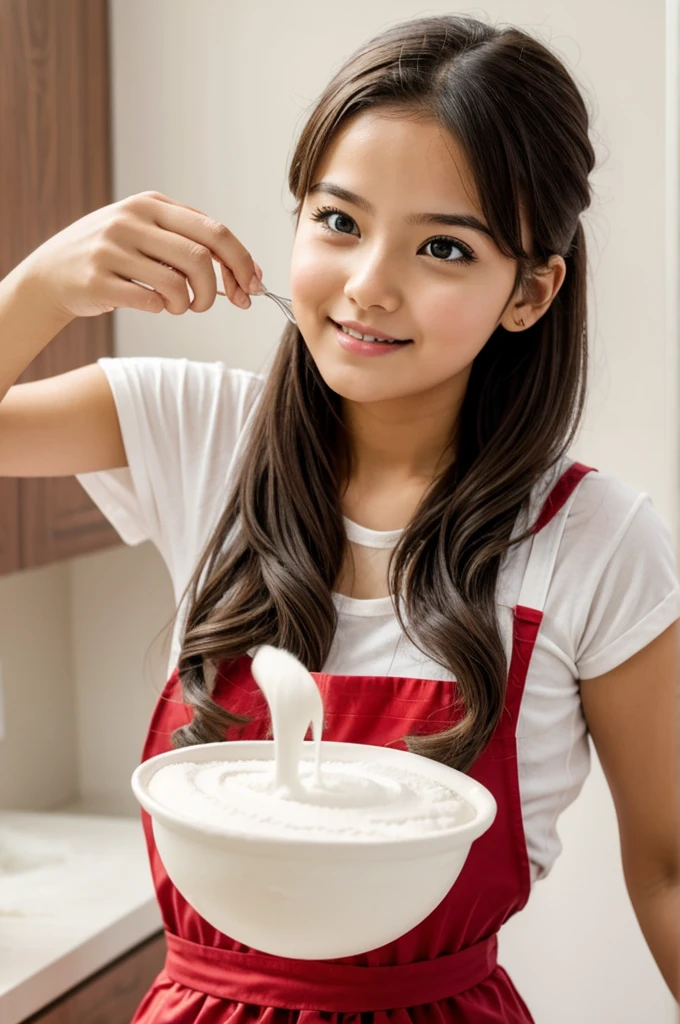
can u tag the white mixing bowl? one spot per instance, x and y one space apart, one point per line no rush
308 898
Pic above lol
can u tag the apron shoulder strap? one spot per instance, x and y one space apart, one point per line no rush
547 535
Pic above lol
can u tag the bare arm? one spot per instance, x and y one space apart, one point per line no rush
55 427
632 716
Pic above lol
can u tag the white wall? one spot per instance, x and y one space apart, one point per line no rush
208 97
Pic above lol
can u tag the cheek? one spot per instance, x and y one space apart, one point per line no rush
447 321
461 313
309 275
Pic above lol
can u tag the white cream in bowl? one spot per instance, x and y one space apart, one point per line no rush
357 802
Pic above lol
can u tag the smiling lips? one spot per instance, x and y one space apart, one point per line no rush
366 333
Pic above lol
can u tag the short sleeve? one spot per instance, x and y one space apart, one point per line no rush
637 595
181 422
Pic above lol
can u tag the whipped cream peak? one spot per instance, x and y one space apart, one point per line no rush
294 704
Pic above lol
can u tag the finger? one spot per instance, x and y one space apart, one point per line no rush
173 202
168 282
224 246
125 294
189 259
200 277
232 289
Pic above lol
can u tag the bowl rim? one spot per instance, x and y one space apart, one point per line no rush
448 839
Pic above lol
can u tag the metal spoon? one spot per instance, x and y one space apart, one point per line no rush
284 305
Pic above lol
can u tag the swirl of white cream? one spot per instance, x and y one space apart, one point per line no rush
357 800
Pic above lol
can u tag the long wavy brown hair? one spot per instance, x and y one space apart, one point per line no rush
267 573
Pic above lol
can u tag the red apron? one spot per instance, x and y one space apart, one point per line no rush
444 969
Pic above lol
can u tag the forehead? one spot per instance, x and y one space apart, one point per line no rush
398 162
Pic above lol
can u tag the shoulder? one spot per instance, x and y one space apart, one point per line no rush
600 508
615 583
613 529
606 510
183 423
189 379
182 393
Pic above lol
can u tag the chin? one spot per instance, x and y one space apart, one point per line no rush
355 384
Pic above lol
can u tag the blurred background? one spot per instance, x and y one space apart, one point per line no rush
205 101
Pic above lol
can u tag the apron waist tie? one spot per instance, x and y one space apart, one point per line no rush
265 980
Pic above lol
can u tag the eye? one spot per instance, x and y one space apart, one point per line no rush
448 243
323 213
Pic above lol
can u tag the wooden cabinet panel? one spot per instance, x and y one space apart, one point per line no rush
59 521
55 168
112 995
9 526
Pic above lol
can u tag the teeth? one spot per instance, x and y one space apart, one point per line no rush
365 337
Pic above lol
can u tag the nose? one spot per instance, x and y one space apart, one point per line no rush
373 282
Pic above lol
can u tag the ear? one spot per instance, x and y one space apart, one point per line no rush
545 284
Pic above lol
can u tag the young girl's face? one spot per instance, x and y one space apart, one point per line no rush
444 286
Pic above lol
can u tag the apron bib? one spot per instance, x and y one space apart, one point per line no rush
443 971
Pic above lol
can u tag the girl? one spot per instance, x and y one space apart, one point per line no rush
399 511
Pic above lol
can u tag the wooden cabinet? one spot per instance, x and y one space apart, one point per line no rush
112 995
55 167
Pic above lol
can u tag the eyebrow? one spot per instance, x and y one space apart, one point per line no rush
463 220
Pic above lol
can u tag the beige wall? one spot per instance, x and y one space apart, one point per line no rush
40 721
208 98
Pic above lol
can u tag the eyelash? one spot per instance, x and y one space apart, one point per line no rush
322 213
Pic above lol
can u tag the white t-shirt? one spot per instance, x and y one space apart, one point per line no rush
613 590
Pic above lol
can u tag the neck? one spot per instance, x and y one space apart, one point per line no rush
402 439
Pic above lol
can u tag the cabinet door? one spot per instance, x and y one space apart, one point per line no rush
112 995
55 168
9 526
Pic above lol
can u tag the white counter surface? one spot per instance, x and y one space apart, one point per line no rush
75 893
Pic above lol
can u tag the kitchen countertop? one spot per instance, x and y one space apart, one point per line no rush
75 894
